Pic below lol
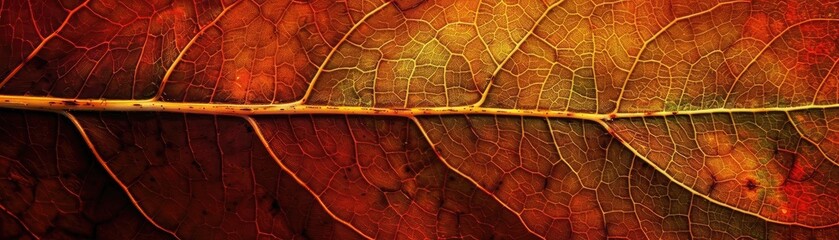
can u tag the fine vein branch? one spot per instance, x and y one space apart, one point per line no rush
62 104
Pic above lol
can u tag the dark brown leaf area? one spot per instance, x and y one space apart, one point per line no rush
200 182
382 174
53 188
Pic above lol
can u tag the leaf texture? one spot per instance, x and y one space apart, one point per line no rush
274 119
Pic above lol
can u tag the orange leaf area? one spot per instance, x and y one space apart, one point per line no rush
419 119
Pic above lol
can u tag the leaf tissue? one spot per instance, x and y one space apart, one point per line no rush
419 119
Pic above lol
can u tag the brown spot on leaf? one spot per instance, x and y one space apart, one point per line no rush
751 185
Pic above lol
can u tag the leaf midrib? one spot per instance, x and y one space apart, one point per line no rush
234 109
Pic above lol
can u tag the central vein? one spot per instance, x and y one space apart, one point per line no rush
65 104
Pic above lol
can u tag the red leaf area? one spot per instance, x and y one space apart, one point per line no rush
279 119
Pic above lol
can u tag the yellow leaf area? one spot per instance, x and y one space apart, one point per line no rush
563 119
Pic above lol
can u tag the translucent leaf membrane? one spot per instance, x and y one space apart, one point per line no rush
100 49
759 163
264 52
737 55
818 128
382 177
588 57
205 51
24 28
706 220
439 53
572 179
574 55
52 187
205 177
568 119
518 161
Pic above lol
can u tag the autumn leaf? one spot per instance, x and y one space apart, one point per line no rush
278 119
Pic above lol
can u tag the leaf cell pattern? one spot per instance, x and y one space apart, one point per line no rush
417 119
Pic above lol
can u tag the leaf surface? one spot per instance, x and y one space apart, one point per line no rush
562 119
